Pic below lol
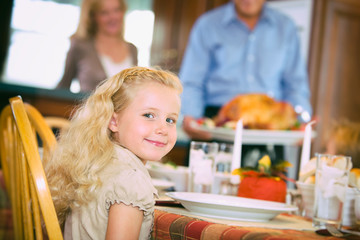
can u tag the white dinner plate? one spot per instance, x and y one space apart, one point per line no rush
254 136
230 207
161 184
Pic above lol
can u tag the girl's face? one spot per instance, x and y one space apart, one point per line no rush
147 127
109 18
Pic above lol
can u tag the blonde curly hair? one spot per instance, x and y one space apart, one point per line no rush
87 146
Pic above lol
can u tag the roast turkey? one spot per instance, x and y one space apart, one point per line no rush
258 111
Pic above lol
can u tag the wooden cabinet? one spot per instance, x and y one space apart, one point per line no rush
173 22
334 65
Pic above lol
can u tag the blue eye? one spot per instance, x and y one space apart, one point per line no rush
148 115
171 121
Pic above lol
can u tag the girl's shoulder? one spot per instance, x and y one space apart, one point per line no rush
127 177
128 185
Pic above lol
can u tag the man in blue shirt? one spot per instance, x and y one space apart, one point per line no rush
241 47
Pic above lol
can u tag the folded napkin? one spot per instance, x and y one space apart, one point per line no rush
332 182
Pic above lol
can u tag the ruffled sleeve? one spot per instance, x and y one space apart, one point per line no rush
131 187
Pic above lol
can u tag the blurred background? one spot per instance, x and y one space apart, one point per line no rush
35 38
46 26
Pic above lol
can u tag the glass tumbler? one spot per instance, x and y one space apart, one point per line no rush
202 166
331 182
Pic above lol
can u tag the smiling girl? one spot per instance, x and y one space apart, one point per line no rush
99 183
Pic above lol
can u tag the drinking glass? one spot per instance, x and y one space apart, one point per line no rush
202 166
223 159
331 181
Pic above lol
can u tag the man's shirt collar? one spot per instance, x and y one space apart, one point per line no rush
231 15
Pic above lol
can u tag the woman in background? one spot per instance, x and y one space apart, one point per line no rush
98 49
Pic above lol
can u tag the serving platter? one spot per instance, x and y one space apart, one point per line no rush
230 207
254 136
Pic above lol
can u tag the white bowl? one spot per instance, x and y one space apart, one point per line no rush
357 208
308 196
178 175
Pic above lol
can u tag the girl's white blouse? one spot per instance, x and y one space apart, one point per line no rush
126 180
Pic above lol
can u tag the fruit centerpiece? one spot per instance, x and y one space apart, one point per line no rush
266 182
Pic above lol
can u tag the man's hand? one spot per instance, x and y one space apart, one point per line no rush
190 126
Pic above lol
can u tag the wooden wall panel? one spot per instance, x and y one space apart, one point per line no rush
165 12
187 20
335 63
173 22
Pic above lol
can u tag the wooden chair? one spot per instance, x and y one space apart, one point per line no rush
38 122
57 124
23 170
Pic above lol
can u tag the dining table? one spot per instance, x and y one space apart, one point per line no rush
173 221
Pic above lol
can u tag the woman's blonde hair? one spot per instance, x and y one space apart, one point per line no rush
87 26
87 146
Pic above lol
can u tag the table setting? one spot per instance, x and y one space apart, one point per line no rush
331 198
176 212
222 211
216 198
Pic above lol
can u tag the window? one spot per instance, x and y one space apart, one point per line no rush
40 32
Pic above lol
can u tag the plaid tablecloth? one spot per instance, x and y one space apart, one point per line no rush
175 227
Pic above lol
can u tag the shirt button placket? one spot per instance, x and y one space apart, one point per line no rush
251 60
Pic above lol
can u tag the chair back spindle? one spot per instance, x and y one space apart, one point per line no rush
24 175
